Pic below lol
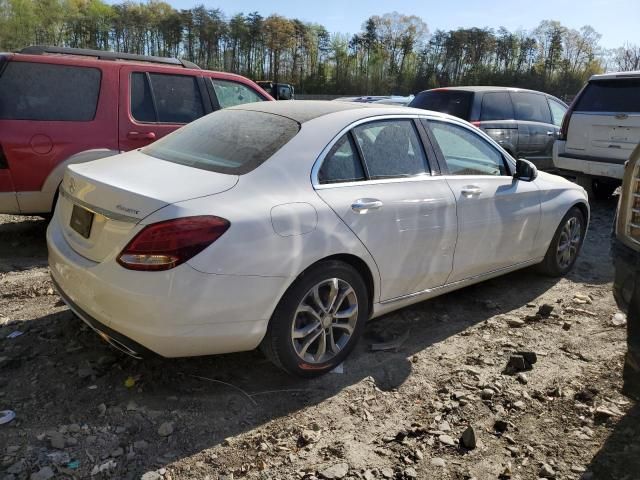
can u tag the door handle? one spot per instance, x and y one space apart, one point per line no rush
363 205
551 134
141 135
471 190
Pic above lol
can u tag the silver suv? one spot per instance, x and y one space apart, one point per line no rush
599 132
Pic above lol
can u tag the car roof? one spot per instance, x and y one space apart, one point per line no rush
302 111
484 88
614 75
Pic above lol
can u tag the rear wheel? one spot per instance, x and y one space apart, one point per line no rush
318 321
565 245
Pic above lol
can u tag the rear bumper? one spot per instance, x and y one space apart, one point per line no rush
178 313
594 167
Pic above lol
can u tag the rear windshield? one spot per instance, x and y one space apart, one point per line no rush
48 92
453 102
615 95
227 141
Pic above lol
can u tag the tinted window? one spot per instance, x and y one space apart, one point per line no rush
342 164
465 152
531 107
39 91
177 98
496 106
391 148
453 102
234 93
557 111
141 99
226 141
619 95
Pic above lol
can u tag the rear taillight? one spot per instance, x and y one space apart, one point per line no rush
564 129
165 245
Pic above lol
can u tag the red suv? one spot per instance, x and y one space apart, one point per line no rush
64 105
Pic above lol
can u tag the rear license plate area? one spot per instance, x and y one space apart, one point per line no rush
81 220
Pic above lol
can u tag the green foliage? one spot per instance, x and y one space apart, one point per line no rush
394 53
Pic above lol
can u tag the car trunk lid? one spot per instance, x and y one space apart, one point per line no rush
103 202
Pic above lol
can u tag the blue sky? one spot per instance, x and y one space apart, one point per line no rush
616 20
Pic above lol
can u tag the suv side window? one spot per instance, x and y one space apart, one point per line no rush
169 99
342 164
391 149
466 152
557 111
234 93
49 92
496 106
531 107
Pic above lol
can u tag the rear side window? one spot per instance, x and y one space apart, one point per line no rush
234 93
166 99
557 111
453 102
531 107
227 141
391 149
48 92
496 106
619 95
342 164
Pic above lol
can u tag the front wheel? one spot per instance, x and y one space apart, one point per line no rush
318 321
565 245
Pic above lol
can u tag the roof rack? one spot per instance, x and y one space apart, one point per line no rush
102 55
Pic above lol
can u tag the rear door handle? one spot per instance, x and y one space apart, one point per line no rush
363 205
141 135
471 190
551 134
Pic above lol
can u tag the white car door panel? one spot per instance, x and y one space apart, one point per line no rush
498 224
411 236
387 196
498 215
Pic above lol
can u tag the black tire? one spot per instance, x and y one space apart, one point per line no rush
551 265
278 343
602 191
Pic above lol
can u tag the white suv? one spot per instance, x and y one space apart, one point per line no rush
599 131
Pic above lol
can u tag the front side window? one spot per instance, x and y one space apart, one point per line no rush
531 107
49 92
496 106
342 164
234 93
557 112
467 153
227 141
391 148
177 98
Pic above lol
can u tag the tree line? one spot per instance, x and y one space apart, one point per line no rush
393 53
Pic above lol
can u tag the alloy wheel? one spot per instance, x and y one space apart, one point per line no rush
324 321
569 242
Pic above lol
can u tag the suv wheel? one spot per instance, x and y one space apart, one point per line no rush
318 321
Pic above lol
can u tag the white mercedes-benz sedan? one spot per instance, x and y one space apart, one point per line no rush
287 225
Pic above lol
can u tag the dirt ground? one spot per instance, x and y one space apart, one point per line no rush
84 410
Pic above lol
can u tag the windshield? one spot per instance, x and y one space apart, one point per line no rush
227 141
453 102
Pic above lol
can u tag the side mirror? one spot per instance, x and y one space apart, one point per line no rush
525 170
